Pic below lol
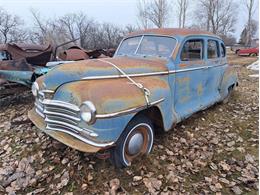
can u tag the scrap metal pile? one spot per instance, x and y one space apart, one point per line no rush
20 62
23 63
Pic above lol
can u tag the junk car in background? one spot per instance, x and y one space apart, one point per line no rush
254 51
23 63
78 53
156 79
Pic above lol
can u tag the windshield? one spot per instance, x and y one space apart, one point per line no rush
147 45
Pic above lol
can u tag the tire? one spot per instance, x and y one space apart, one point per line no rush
237 51
129 146
253 54
226 99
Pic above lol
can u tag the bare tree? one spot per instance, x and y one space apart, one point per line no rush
229 40
44 31
244 36
182 6
11 28
111 35
129 29
154 11
142 14
249 4
77 26
217 16
158 12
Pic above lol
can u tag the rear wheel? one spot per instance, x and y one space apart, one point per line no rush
230 90
135 141
237 51
253 54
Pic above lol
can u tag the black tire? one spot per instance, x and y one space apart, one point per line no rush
253 54
140 126
237 51
226 99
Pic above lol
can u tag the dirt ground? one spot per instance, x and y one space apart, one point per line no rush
213 152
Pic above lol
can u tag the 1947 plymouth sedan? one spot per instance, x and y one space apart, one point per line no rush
157 78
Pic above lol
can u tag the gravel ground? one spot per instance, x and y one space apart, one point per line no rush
214 151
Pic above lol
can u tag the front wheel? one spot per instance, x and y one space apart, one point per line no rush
135 141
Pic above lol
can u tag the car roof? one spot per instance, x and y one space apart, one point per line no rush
172 32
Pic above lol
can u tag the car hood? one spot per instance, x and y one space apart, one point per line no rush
86 69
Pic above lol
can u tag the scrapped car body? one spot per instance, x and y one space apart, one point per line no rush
21 63
76 53
157 78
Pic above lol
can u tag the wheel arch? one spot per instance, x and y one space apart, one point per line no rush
155 115
229 79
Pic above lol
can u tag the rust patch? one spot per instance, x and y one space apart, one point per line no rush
176 50
183 65
184 89
183 80
33 54
119 93
76 53
172 32
200 89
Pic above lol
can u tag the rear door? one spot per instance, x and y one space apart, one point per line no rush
216 64
190 73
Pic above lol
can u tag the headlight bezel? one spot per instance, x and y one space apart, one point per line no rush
35 89
89 109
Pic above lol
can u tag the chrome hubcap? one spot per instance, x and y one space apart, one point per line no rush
135 143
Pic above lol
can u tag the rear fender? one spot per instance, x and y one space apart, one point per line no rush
230 78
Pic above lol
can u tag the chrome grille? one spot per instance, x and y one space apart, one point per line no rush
60 116
39 104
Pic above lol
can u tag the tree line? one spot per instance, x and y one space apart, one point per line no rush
217 16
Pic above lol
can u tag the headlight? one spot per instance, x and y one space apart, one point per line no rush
88 112
35 89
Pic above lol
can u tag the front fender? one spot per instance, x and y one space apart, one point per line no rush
112 96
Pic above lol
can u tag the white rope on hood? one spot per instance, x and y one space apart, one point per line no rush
139 85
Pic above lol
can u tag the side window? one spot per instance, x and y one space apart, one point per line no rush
4 55
213 49
222 50
192 50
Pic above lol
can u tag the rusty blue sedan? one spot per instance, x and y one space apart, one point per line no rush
157 78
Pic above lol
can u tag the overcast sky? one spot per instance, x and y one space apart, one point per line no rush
120 12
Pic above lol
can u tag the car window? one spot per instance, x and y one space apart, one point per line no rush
4 55
212 49
222 50
147 45
157 46
192 50
129 46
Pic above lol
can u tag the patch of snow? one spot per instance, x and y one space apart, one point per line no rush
254 75
254 66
